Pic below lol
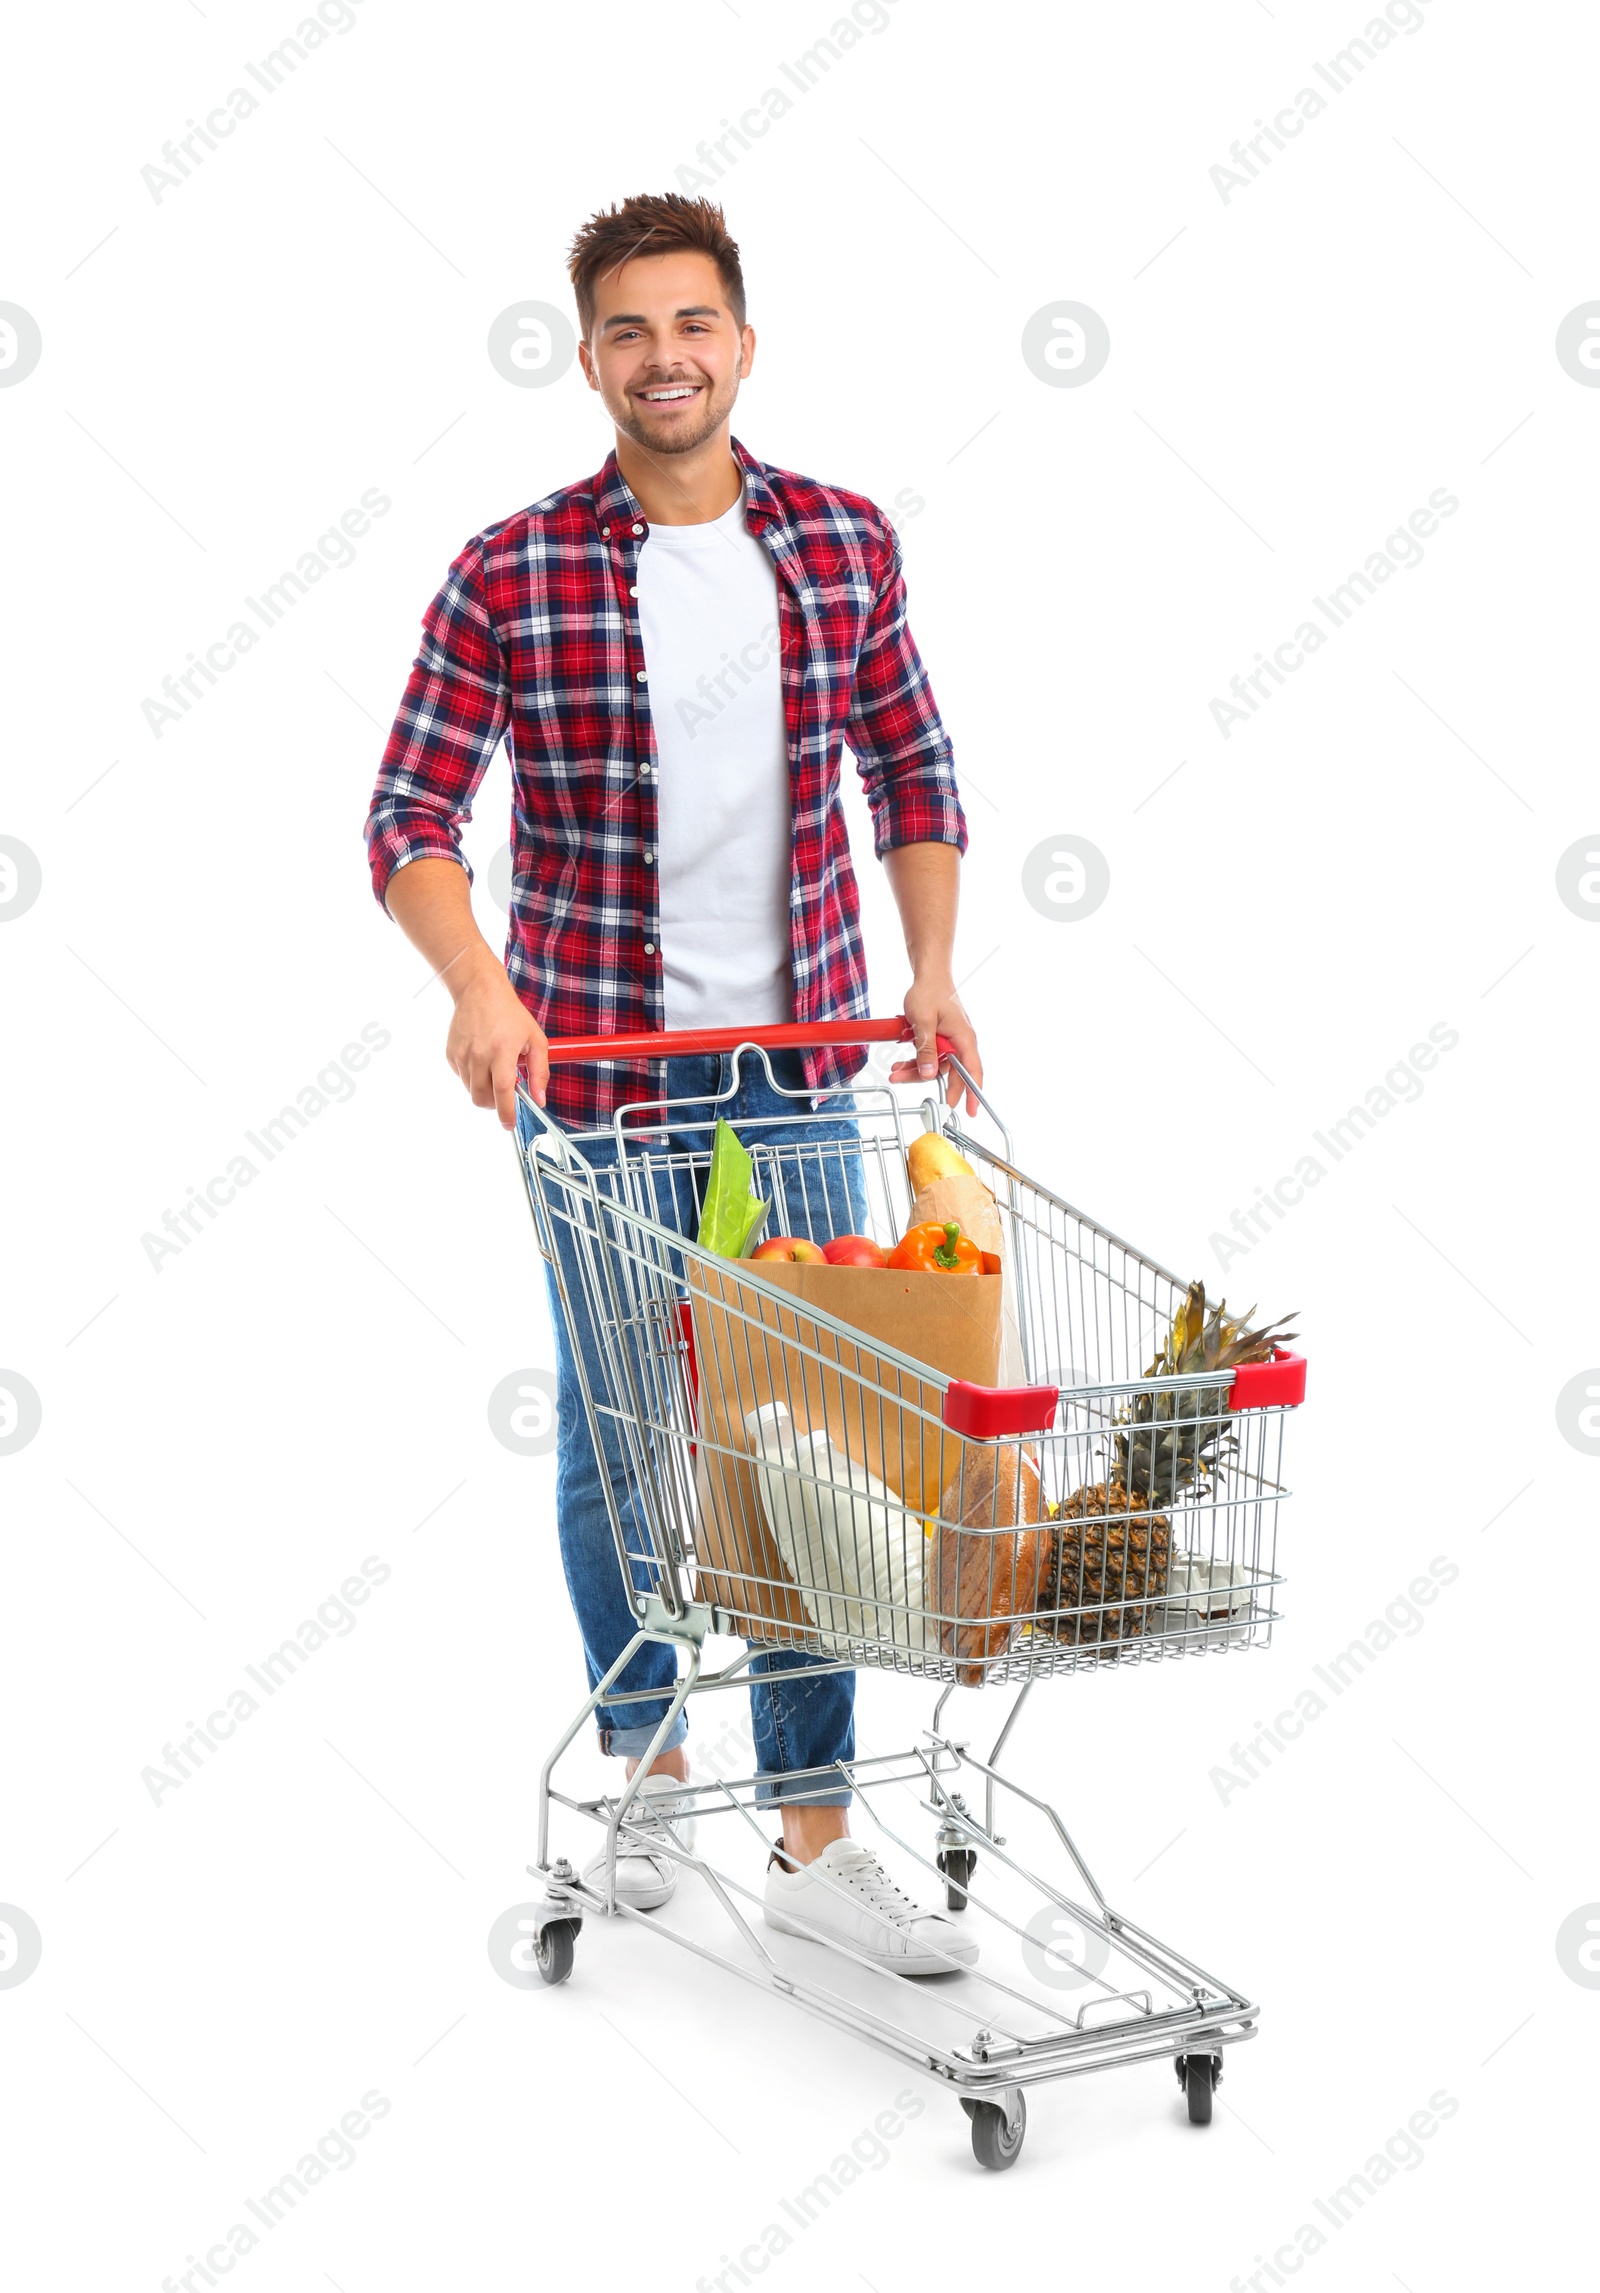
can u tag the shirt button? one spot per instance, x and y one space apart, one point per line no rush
638 529
649 859
641 674
633 592
605 533
649 947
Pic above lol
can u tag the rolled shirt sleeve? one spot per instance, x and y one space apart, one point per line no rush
900 746
451 719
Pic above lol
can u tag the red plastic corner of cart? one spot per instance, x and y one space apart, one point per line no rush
1276 1384
988 1412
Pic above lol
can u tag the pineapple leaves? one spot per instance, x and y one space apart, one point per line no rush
1180 1437
1110 1548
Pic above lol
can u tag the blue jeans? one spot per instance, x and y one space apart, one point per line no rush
800 1718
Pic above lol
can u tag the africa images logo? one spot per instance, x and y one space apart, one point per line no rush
334 1083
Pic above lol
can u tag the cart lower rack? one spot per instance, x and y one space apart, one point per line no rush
1149 1536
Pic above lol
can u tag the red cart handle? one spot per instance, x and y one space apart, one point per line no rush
1276 1384
990 1412
692 1042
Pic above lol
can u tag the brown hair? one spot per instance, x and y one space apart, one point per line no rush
652 223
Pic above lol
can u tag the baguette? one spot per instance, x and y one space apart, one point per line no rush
931 1156
991 1553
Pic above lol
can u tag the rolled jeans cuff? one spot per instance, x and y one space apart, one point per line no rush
632 1742
789 1791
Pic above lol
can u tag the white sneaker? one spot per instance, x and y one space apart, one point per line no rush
846 1896
646 1876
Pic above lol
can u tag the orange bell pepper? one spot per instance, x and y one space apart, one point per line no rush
938 1247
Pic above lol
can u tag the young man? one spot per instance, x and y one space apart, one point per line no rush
679 648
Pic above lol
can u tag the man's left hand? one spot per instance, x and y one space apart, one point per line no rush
934 1009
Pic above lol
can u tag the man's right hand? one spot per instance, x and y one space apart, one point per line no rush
492 1031
492 1034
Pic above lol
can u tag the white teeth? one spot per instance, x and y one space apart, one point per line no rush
661 397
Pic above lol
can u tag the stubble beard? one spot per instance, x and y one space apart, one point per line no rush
718 406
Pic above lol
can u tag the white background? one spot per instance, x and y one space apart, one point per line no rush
1292 372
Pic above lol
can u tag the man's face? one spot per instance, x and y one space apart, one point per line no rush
664 352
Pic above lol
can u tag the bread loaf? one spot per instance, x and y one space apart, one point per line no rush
991 1556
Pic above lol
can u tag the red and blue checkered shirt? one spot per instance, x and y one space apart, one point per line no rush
536 633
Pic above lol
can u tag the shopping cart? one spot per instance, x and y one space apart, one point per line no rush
720 1533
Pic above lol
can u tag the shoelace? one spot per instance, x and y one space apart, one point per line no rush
859 1870
647 1814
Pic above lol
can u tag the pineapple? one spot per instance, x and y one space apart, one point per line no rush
1111 1548
1109 1554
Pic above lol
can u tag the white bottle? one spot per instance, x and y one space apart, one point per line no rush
841 1533
788 1497
876 1546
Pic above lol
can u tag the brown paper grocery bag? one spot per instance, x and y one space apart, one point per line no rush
756 1342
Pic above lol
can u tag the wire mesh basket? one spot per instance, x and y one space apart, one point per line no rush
820 1489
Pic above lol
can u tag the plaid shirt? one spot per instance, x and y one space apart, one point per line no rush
536 632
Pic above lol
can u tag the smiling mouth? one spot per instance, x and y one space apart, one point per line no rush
670 393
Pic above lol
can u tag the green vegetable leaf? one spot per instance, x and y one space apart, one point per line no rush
731 1211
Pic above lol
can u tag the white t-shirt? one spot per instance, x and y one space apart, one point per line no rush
708 618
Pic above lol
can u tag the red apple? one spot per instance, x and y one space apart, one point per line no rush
791 1247
854 1250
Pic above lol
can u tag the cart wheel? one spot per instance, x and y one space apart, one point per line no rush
957 1864
1199 2075
995 2143
552 1949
